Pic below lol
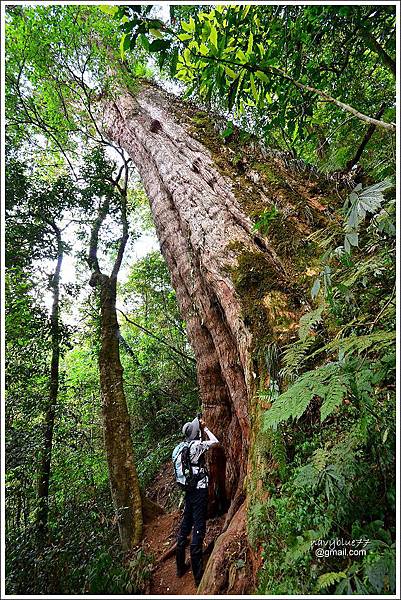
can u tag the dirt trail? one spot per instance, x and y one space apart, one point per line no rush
160 535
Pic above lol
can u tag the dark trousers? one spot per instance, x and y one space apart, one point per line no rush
194 516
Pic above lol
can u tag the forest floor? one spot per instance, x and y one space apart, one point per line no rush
160 535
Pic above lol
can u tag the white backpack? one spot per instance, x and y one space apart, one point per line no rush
184 475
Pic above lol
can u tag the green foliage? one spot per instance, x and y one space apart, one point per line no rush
107 576
357 205
265 220
329 383
308 321
339 479
247 59
328 579
333 465
160 387
332 381
161 382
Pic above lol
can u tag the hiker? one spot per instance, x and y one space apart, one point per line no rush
191 474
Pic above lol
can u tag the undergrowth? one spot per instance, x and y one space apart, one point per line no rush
335 413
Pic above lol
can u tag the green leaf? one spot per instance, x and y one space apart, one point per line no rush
125 44
351 239
253 88
158 45
262 76
228 130
328 579
315 288
144 41
189 27
308 321
230 72
156 33
109 10
241 56
203 49
250 44
213 36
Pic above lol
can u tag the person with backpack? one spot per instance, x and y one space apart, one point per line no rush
192 476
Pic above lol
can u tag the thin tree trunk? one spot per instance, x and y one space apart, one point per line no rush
116 423
44 469
124 484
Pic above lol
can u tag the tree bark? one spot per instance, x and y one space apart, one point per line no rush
205 235
123 478
44 469
124 484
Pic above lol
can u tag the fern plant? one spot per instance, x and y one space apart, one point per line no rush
339 476
329 382
308 321
329 579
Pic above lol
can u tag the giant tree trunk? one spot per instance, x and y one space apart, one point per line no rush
228 279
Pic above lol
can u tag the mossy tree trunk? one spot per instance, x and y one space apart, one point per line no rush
227 277
123 479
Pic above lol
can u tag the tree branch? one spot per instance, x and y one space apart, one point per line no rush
94 238
281 73
380 51
156 337
365 140
124 238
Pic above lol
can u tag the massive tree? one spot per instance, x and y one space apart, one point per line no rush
199 202
241 286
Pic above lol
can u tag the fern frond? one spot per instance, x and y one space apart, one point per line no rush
320 459
306 476
328 579
363 268
358 343
279 454
327 382
308 321
335 394
294 356
294 402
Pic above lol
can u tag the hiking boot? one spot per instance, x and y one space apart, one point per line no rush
182 570
180 558
197 563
